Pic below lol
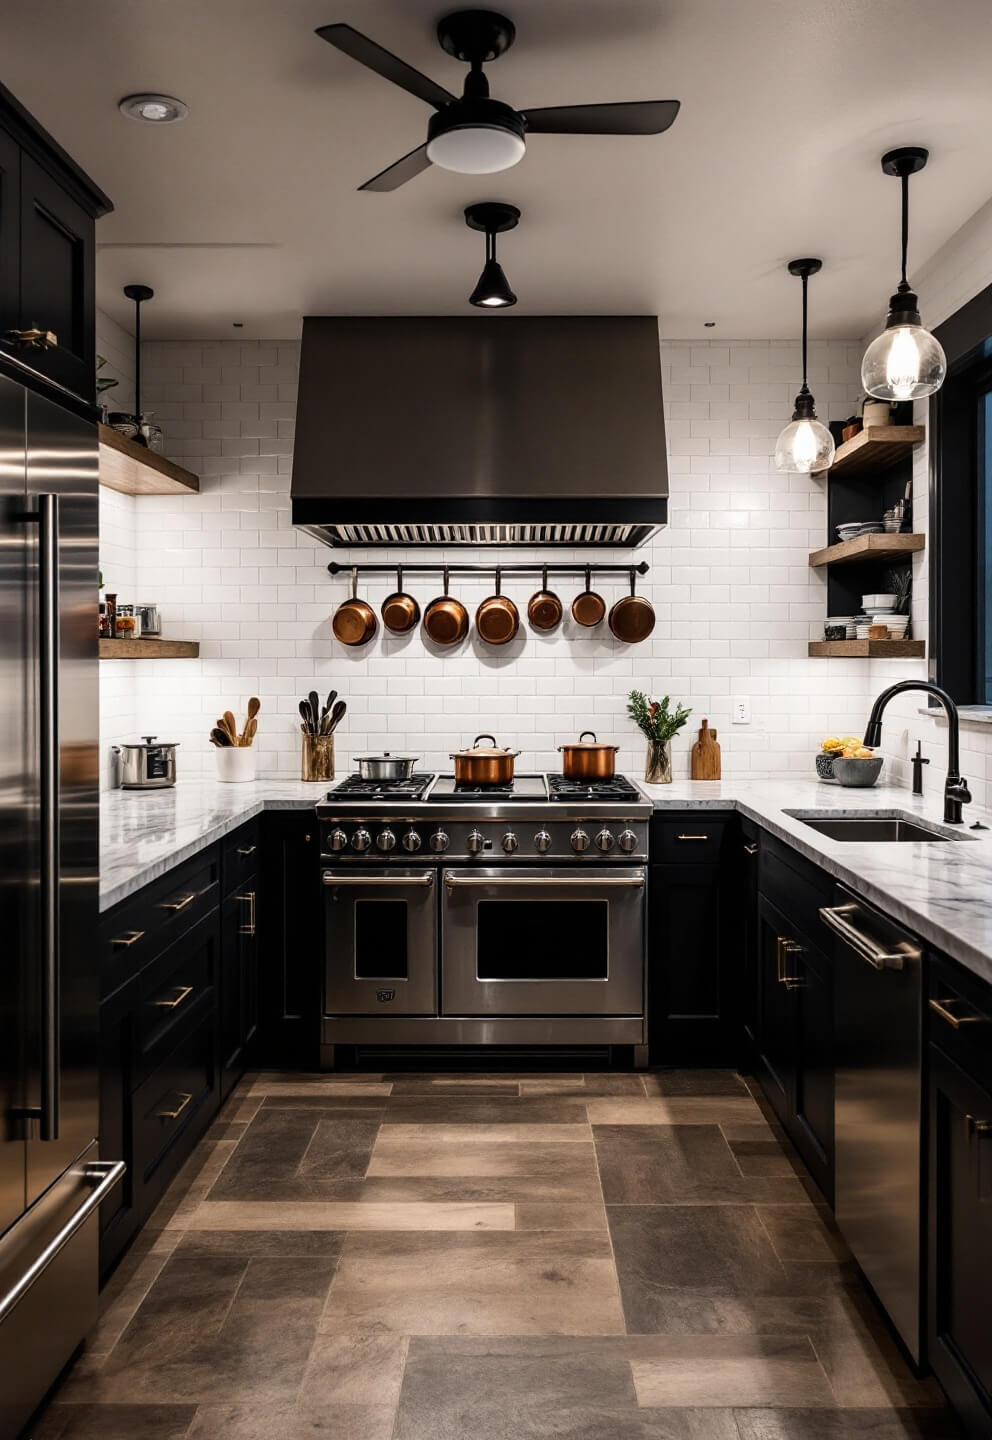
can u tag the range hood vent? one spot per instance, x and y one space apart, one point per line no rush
533 431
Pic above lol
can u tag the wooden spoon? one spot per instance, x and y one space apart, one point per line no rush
223 725
251 728
254 705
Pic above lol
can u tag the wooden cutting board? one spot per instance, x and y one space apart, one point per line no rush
705 758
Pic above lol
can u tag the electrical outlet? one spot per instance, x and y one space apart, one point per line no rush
741 711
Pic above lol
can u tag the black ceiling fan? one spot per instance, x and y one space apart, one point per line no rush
474 134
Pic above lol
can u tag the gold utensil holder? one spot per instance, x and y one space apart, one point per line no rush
317 758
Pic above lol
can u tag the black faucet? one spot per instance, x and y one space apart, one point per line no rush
919 760
956 792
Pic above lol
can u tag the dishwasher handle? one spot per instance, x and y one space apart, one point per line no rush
835 918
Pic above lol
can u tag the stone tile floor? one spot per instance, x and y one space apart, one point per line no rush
473 1257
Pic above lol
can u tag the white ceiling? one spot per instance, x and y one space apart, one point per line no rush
248 210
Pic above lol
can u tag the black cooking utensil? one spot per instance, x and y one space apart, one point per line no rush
337 715
306 715
221 739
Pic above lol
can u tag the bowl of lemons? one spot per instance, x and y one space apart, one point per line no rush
846 761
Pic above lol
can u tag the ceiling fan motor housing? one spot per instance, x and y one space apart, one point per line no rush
475 136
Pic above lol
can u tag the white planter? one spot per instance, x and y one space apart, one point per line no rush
236 763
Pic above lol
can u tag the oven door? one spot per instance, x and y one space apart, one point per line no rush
543 942
381 938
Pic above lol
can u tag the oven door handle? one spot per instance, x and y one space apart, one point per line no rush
426 879
613 882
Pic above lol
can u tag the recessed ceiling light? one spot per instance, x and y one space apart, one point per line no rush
156 109
708 324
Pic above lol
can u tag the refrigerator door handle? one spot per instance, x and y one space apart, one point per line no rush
49 657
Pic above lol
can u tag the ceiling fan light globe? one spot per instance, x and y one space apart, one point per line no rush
476 149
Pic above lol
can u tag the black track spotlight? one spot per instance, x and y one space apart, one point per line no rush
492 218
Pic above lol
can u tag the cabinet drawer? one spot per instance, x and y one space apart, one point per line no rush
959 1017
170 1100
140 928
241 855
173 988
695 838
797 888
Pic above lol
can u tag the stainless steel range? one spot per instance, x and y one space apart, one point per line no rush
489 915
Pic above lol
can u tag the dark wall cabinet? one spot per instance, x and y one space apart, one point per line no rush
960 1193
48 207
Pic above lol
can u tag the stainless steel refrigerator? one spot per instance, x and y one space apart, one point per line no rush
51 1176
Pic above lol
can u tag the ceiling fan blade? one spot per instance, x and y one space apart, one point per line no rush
400 171
352 42
634 117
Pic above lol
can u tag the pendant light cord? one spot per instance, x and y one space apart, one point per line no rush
904 283
805 389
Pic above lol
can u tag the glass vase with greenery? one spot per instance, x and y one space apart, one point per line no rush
659 723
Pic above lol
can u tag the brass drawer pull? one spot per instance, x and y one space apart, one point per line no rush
751 848
124 942
183 992
942 1008
245 850
184 1100
249 900
692 837
33 339
980 1128
784 947
179 903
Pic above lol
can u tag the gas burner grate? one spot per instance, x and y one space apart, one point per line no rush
355 787
617 788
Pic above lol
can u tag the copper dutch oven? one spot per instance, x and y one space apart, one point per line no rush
400 611
354 621
544 609
497 618
588 608
632 617
482 764
446 619
588 760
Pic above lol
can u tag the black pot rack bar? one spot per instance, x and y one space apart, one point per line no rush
337 568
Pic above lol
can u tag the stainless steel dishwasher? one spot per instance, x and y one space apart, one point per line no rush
878 1103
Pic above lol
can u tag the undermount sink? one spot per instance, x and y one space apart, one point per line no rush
874 828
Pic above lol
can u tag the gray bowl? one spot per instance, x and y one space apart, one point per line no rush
857 774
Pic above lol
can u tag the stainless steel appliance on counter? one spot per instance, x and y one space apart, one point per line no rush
148 764
464 914
51 1177
878 1104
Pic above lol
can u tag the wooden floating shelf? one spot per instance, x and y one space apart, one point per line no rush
874 449
868 547
868 649
135 470
142 649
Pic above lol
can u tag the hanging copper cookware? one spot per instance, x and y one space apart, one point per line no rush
588 760
446 619
544 609
497 618
484 764
354 621
588 608
632 617
400 611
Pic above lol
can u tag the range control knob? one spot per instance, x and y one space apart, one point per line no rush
627 841
604 840
411 841
361 840
439 841
338 840
474 843
386 840
580 841
510 842
542 842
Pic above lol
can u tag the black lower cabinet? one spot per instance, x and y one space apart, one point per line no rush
292 946
960 1195
239 982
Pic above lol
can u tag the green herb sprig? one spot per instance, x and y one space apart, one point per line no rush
655 718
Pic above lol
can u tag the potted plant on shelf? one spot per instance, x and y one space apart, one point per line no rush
659 723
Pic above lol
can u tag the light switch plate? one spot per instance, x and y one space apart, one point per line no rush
741 711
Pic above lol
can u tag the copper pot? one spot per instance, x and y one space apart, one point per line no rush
445 619
588 608
497 618
632 617
544 609
484 765
400 611
587 760
354 621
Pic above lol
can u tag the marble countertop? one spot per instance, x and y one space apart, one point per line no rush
943 892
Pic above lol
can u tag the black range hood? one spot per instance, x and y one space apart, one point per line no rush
543 430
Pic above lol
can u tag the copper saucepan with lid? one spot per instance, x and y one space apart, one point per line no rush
544 609
354 621
484 764
446 619
497 618
400 611
632 617
588 759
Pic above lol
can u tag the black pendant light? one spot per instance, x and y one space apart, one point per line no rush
493 218
138 293
905 362
804 444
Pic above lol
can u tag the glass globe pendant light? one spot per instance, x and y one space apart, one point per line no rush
804 444
905 362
